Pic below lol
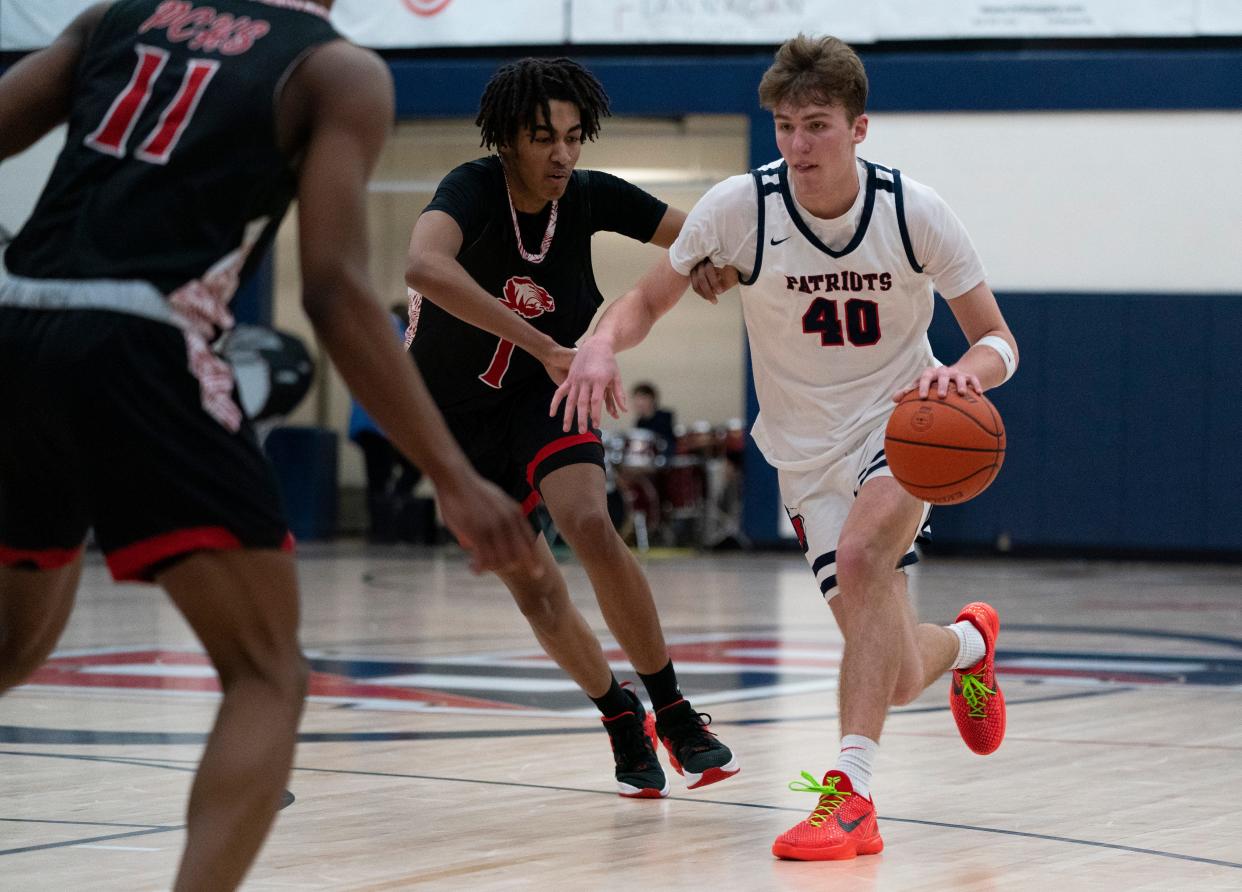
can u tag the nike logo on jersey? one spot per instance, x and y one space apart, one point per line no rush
776 241
849 826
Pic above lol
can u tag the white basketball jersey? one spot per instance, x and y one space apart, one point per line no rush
833 333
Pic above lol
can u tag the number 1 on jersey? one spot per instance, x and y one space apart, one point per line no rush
112 135
495 374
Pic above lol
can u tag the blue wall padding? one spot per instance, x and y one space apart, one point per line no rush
1121 426
305 459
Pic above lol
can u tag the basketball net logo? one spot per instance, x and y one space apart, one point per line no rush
526 297
426 7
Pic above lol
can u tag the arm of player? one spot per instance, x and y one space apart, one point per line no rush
348 94
982 366
433 270
706 279
669 227
594 376
35 93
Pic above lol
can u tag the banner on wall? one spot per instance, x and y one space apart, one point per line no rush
387 24
412 23
941 19
29 25
717 21
1220 17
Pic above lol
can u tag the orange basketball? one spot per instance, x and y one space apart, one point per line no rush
945 451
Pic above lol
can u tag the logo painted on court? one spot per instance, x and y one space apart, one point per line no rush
712 668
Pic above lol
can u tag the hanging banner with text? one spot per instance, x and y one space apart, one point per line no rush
717 21
414 23
383 24
392 24
965 19
30 24
1219 17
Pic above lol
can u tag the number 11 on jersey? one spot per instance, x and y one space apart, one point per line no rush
112 135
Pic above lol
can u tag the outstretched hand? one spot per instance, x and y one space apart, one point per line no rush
592 384
489 525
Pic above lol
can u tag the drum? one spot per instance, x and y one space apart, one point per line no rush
683 484
642 450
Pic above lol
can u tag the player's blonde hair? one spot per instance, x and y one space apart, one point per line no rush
815 71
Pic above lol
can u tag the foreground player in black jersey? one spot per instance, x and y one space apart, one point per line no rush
184 123
503 256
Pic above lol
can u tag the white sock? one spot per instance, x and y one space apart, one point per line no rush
855 760
971 647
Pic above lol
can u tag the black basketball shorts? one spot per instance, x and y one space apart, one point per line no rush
103 425
516 444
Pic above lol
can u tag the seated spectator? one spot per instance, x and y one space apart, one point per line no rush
645 404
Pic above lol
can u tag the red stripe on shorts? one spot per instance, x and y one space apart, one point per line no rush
136 563
554 447
43 558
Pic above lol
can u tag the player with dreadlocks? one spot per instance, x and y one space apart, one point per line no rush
502 255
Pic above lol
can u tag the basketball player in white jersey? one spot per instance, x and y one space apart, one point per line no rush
837 259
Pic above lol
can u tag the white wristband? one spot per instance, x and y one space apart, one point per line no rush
1003 350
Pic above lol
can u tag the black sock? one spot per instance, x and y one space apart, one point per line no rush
614 702
662 687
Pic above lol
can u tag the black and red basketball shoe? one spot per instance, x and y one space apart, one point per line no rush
694 752
632 734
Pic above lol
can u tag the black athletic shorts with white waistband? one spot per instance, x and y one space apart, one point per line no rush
103 424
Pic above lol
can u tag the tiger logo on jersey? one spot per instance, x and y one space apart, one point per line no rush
524 296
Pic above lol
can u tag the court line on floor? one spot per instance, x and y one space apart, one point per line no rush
918 710
287 799
1215 862
1068 741
65 737
1121 632
757 805
81 823
759 628
69 843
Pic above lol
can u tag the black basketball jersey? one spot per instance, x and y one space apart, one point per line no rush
171 161
466 367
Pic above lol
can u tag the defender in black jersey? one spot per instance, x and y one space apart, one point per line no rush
501 289
184 123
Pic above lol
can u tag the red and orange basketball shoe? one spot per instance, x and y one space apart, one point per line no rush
694 752
974 695
841 827
633 738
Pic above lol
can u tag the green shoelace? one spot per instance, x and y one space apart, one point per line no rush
830 798
976 694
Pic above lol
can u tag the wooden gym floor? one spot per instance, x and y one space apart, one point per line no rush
441 750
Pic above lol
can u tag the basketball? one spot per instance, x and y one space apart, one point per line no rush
945 451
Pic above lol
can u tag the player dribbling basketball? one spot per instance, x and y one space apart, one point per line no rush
837 259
